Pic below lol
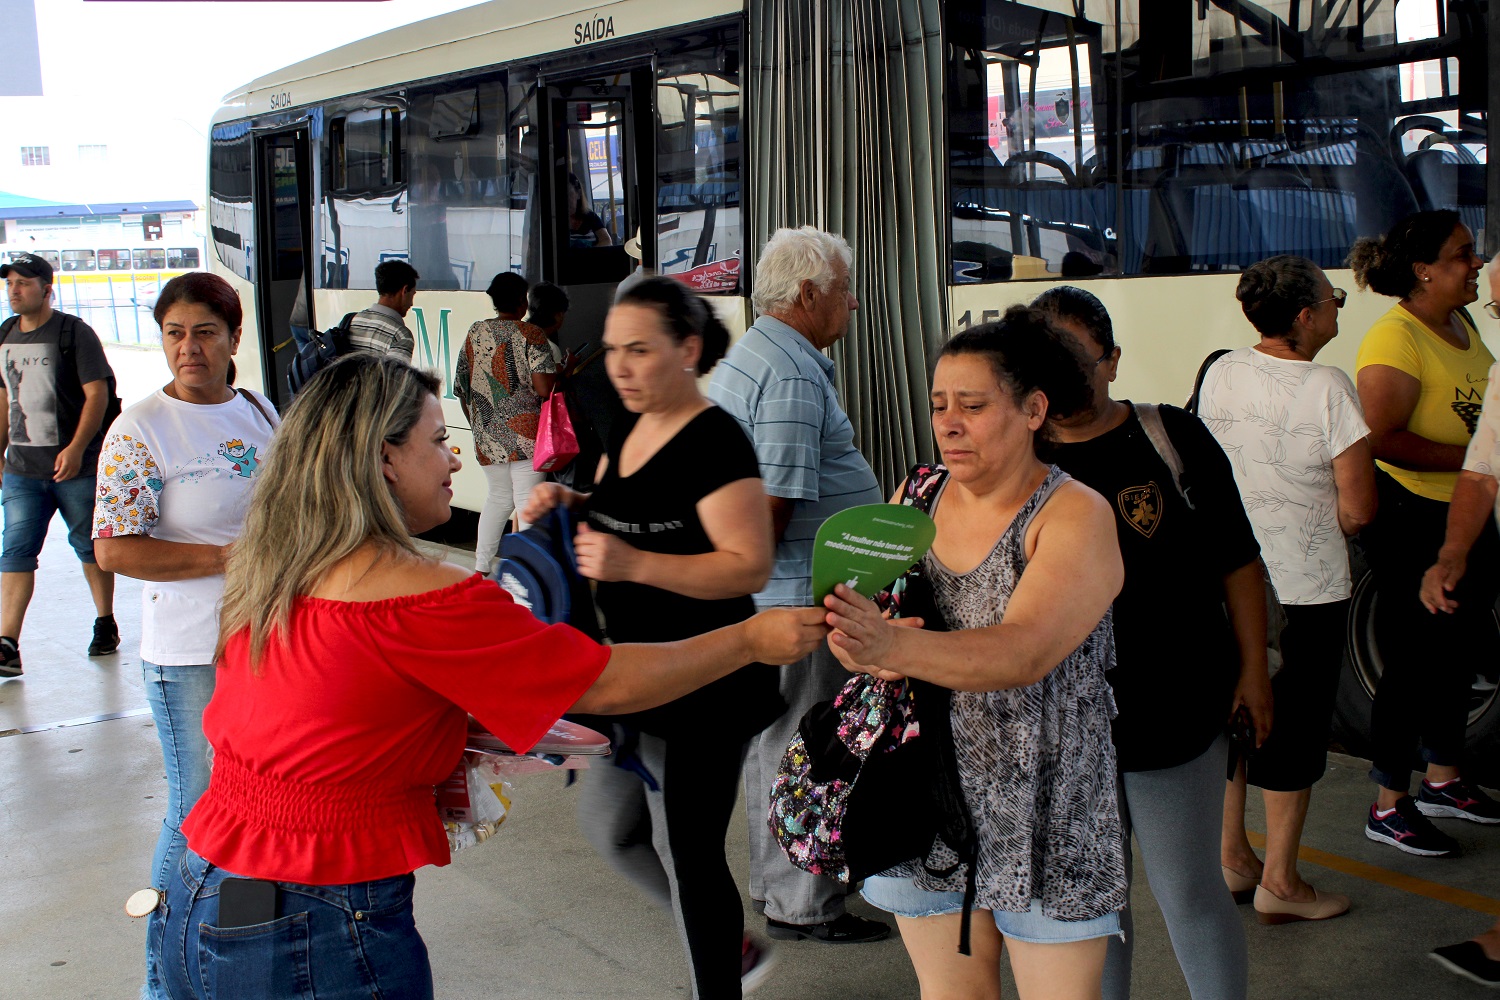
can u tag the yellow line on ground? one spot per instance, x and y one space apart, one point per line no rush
1396 880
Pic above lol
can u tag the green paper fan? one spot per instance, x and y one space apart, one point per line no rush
868 547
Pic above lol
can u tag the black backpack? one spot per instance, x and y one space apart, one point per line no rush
323 350
539 570
67 344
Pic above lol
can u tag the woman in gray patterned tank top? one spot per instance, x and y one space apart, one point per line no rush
1024 569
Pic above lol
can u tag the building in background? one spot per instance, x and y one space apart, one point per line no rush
65 164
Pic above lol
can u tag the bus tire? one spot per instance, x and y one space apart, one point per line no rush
1363 666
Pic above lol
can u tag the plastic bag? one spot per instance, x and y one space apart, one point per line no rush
476 799
556 443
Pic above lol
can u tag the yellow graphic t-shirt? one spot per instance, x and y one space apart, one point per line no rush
1452 393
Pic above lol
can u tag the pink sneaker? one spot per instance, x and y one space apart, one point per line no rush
756 961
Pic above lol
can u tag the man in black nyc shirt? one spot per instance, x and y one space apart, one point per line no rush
52 406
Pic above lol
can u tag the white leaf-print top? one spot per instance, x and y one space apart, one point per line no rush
181 472
1282 423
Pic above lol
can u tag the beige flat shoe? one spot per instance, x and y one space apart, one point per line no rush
1272 909
1241 887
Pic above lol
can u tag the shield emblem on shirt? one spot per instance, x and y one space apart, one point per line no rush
1140 506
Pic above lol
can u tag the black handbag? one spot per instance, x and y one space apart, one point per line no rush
870 780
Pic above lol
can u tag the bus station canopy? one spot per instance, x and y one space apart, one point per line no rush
15 206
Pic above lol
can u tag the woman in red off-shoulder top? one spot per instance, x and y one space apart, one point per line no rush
348 665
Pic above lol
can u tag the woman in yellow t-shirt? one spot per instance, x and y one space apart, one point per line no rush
1422 373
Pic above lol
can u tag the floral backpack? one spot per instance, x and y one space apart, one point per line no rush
870 779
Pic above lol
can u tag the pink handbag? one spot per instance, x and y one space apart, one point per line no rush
556 444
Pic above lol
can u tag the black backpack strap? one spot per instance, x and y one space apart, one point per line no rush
9 325
1196 397
340 334
923 484
1156 432
250 398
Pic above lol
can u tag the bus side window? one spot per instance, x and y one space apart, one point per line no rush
700 236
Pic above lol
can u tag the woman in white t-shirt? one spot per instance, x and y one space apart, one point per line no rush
1299 446
1474 495
1474 503
175 474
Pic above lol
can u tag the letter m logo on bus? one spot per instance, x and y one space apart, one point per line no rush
440 361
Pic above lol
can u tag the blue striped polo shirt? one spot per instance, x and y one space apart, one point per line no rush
776 384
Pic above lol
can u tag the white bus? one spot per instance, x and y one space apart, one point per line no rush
972 151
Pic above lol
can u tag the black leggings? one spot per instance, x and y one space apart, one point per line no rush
1304 689
1429 660
670 844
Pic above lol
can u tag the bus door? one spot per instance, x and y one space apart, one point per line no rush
602 193
283 216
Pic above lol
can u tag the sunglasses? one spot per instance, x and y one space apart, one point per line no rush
1338 297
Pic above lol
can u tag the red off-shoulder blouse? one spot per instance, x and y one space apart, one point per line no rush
325 759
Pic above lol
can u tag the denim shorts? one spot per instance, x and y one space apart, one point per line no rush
902 897
29 505
333 942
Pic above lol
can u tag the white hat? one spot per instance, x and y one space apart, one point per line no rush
633 245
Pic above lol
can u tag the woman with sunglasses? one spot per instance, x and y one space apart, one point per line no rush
1421 374
1306 487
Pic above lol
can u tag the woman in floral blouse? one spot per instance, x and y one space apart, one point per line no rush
504 372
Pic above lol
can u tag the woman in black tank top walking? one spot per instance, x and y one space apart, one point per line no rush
678 535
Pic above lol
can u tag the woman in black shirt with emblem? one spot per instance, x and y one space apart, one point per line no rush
1182 668
678 535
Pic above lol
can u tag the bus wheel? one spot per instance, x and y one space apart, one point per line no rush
1362 669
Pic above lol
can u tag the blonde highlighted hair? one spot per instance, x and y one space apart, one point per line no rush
322 494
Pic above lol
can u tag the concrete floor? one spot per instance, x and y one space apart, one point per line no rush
534 914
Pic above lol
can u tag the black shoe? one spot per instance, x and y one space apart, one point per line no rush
1468 959
1408 830
106 637
10 657
847 929
1459 800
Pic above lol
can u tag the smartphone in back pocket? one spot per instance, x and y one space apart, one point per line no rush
244 902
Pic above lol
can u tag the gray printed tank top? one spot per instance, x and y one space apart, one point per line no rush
1036 763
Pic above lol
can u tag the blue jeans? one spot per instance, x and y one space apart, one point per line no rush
177 696
902 897
29 505
332 942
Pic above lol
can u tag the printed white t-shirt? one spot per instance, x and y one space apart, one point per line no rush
181 472
1483 455
1282 423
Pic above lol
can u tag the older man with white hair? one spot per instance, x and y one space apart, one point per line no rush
776 382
